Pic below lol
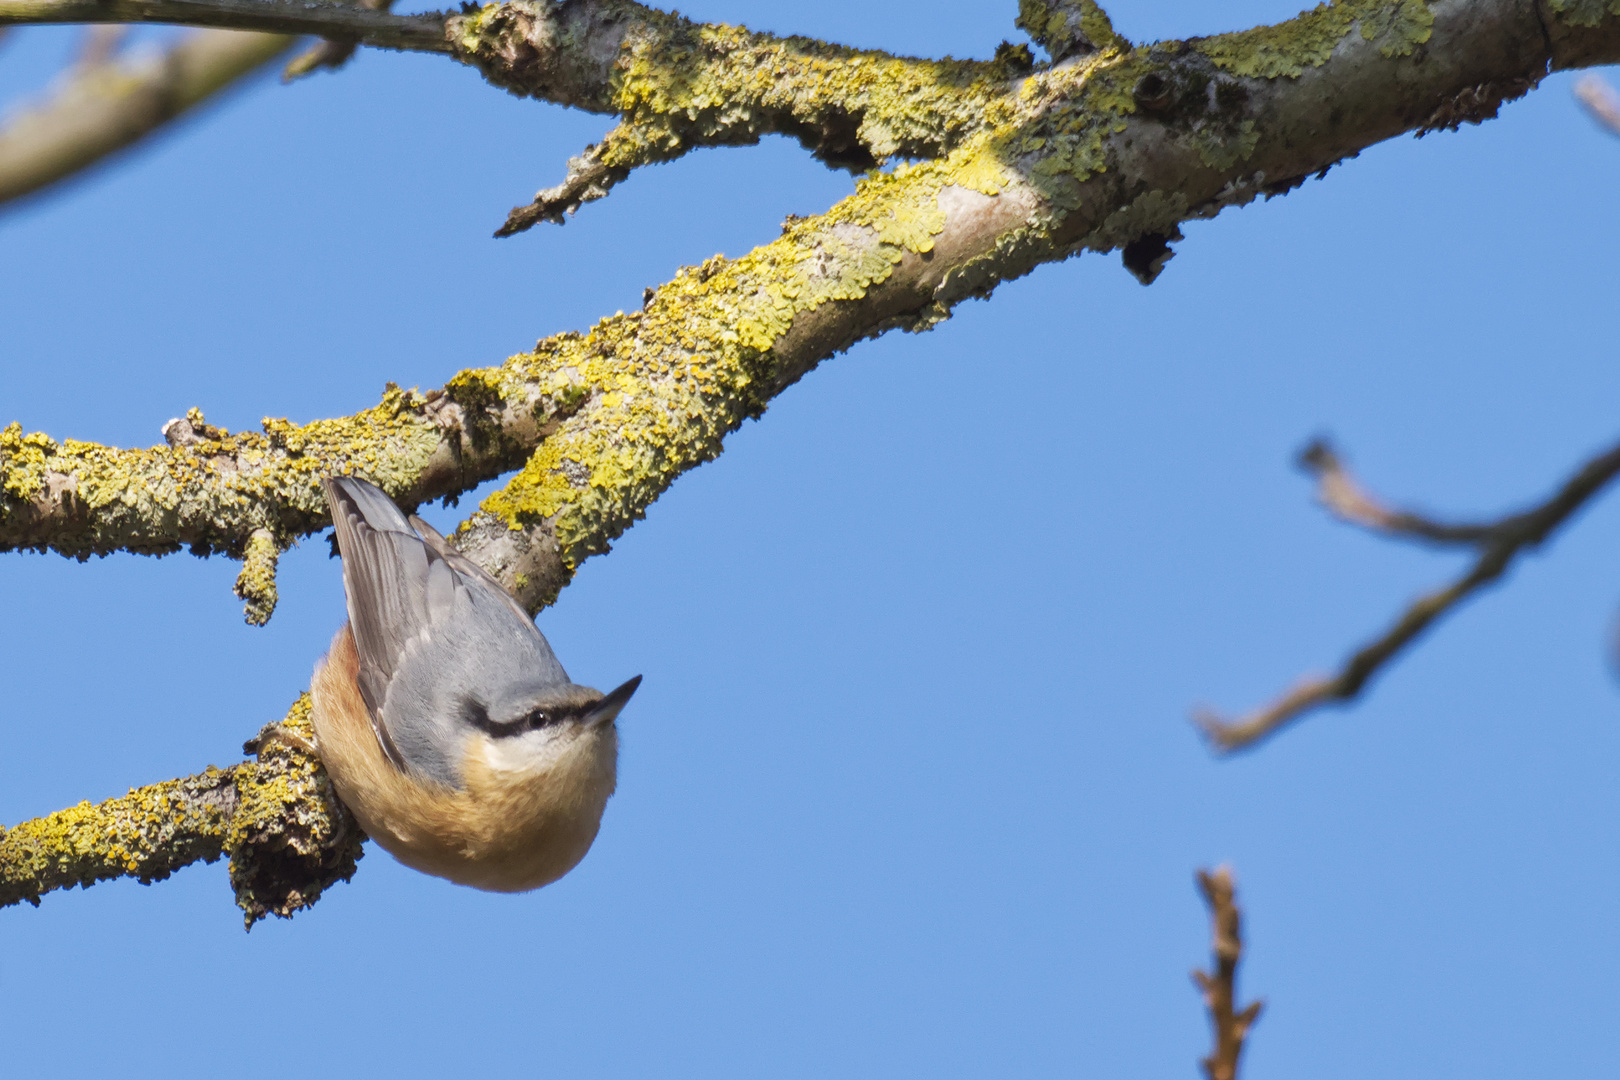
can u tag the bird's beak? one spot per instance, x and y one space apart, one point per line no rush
605 710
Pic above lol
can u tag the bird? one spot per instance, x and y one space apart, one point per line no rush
442 716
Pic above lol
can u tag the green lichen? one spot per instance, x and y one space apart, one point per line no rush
1221 147
1075 111
1287 49
24 459
1097 27
1067 26
1586 13
682 84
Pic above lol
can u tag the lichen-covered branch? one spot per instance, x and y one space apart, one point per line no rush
108 104
277 819
1498 544
1096 153
251 494
1066 28
1229 1023
678 85
1109 150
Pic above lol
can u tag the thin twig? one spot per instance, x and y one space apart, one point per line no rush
1231 1025
1600 100
1347 500
330 53
420 33
1498 544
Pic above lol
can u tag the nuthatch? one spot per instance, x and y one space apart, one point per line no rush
443 718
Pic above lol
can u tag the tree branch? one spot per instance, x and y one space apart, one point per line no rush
286 833
1348 501
1067 28
679 85
1601 102
418 33
1105 151
1231 1026
1498 544
107 104
330 53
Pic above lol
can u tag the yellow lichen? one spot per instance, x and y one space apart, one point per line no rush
1584 12
256 584
1287 49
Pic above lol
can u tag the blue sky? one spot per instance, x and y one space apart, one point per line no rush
909 788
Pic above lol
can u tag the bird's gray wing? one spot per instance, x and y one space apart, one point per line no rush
467 568
431 628
385 580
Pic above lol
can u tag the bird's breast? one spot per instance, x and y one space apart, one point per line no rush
515 824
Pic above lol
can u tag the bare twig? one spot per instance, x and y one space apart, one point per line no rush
1347 500
331 52
105 103
1231 1025
1600 100
1498 544
589 178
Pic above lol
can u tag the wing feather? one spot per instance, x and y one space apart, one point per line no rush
419 609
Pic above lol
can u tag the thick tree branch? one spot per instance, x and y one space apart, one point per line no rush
1110 150
1498 544
1074 164
1230 1024
107 104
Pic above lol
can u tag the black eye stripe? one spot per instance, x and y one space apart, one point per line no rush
475 713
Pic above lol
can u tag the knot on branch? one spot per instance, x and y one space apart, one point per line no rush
563 53
291 837
192 429
1066 28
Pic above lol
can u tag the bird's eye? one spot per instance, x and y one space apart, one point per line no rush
537 718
